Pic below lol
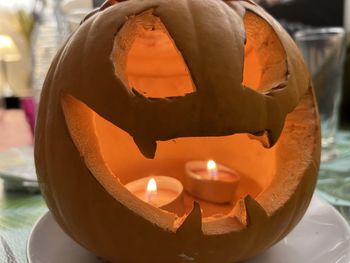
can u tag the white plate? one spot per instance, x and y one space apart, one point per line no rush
322 236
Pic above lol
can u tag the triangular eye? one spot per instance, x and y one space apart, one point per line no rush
146 59
265 62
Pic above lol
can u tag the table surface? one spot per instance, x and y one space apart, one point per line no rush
19 211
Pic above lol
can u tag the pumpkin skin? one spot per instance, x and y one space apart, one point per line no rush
83 86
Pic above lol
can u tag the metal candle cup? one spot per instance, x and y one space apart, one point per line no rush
167 196
217 189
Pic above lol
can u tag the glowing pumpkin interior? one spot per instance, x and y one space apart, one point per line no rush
151 64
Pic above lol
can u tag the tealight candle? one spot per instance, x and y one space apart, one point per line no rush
210 182
160 191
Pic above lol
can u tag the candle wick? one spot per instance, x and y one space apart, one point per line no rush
151 190
212 170
150 195
213 173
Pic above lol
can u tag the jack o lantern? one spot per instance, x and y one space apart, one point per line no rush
142 87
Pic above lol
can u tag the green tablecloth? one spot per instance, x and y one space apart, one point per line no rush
18 213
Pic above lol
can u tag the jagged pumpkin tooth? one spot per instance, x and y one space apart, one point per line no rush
240 213
247 210
262 137
255 213
192 224
147 148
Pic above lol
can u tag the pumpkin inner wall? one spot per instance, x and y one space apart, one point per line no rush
145 58
265 64
150 63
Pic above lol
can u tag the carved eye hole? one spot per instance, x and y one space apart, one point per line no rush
265 65
146 59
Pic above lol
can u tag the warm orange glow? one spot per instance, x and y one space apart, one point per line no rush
152 64
212 169
265 64
147 59
151 190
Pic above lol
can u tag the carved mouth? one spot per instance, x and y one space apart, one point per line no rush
114 160
122 156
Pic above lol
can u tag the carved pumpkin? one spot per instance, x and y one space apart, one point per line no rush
144 86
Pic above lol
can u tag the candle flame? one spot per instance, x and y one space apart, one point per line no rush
151 190
152 185
212 169
211 165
